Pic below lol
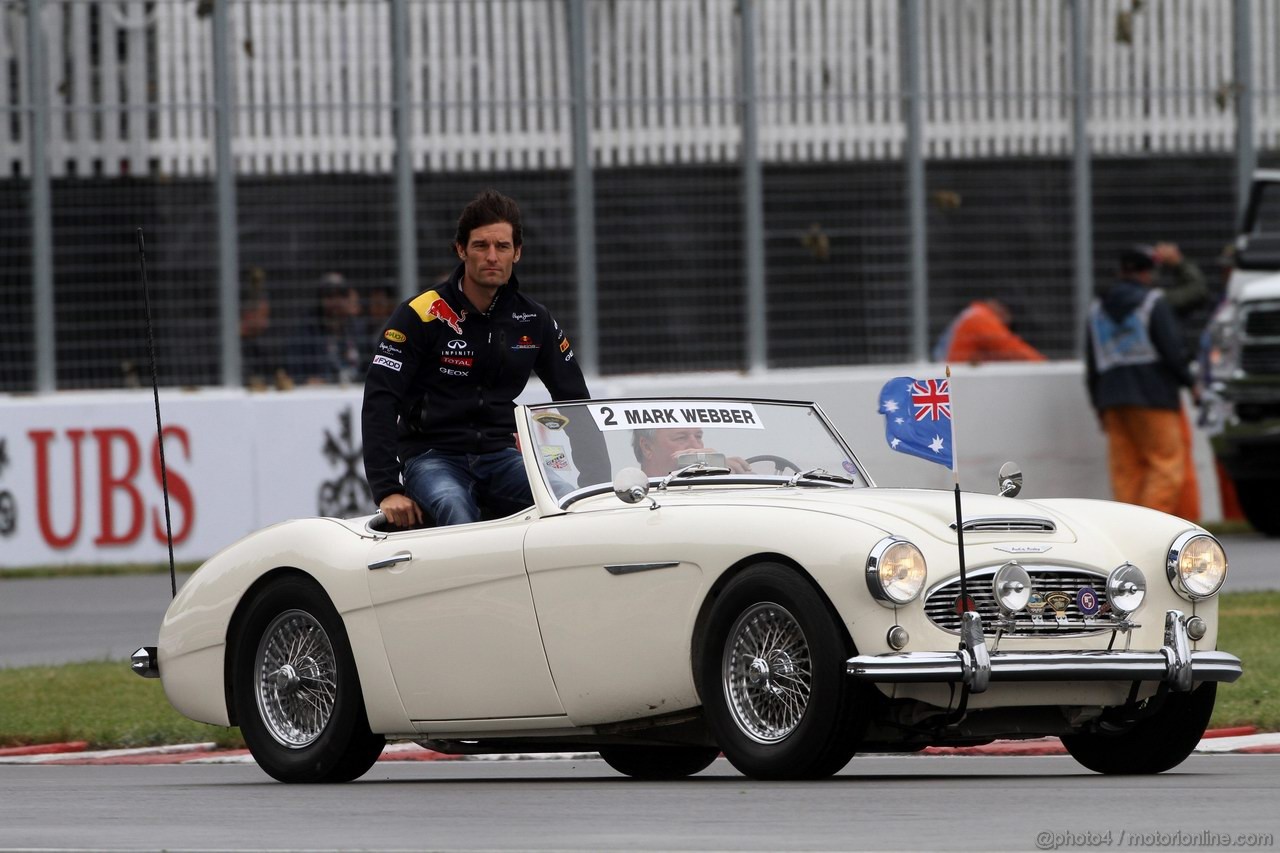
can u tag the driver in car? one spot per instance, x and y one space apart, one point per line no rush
661 451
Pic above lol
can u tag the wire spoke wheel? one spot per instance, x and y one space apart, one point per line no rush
296 679
767 672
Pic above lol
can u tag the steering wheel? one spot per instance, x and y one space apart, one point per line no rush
781 464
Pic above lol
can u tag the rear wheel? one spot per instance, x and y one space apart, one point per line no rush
659 762
773 680
1153 744
297 694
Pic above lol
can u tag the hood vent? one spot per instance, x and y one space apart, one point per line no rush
1008 524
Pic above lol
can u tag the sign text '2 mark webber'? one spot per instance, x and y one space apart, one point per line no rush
666 414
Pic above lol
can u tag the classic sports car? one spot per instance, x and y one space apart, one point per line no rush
699 576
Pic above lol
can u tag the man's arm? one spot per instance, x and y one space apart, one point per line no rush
1189 289
389 378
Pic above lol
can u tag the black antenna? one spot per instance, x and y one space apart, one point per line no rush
155 393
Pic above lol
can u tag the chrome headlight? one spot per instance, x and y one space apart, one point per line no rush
895 571
1197 565
1126 587
1012 587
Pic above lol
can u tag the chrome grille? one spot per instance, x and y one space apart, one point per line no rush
1260 358
940 602
1008 524
1263 321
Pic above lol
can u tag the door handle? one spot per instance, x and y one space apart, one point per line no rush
388 562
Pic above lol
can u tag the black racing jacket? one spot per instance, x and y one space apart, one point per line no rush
445 376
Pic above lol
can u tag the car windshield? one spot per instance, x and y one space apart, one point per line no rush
688 441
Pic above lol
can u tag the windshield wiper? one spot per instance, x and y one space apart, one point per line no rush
820 474
697 469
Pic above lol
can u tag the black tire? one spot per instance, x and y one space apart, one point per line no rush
780 705
1153 744
659 762
1258 502
297 693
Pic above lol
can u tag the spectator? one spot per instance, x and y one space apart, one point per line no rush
1136 366
380 301
1188 294
329 349
981 333
260 350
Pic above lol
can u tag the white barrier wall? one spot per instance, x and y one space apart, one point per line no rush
82 470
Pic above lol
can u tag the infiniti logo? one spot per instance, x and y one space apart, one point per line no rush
456 344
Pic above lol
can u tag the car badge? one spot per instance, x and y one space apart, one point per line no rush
1023 549
1035 604
1058 602
1087 602
965 604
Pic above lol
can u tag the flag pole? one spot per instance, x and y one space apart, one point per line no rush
955 478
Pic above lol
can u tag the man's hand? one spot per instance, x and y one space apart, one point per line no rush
401 510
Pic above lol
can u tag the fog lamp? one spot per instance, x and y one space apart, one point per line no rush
1126 588
1197 565
898 638
1196 628
1012 588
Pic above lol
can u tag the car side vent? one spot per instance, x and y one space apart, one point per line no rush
1008 524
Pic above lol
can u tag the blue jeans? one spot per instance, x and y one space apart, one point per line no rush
452 487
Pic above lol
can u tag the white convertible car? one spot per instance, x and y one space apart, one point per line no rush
699 576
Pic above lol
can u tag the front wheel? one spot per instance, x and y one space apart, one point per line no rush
659 762
773 680
1258 502
1153 744
297 694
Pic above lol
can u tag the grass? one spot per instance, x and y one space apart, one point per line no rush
104 703
101 702
1248 630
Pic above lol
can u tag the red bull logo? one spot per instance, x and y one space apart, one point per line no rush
441 311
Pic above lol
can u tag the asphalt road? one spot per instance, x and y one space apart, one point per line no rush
878 803
60 620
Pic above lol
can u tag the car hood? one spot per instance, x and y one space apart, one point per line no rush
933 512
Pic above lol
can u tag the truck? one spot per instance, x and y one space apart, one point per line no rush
1241 361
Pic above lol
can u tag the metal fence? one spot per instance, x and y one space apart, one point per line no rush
707 184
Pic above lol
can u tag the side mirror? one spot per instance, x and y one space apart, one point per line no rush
1009 480
631 485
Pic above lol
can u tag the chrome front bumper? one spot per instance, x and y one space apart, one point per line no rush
971 664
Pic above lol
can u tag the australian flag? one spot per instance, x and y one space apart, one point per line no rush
917 418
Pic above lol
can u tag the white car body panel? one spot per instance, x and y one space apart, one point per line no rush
516 626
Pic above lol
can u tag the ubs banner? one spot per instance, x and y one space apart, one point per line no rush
80 473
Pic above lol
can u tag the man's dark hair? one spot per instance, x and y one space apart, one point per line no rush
489 208
1137 259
